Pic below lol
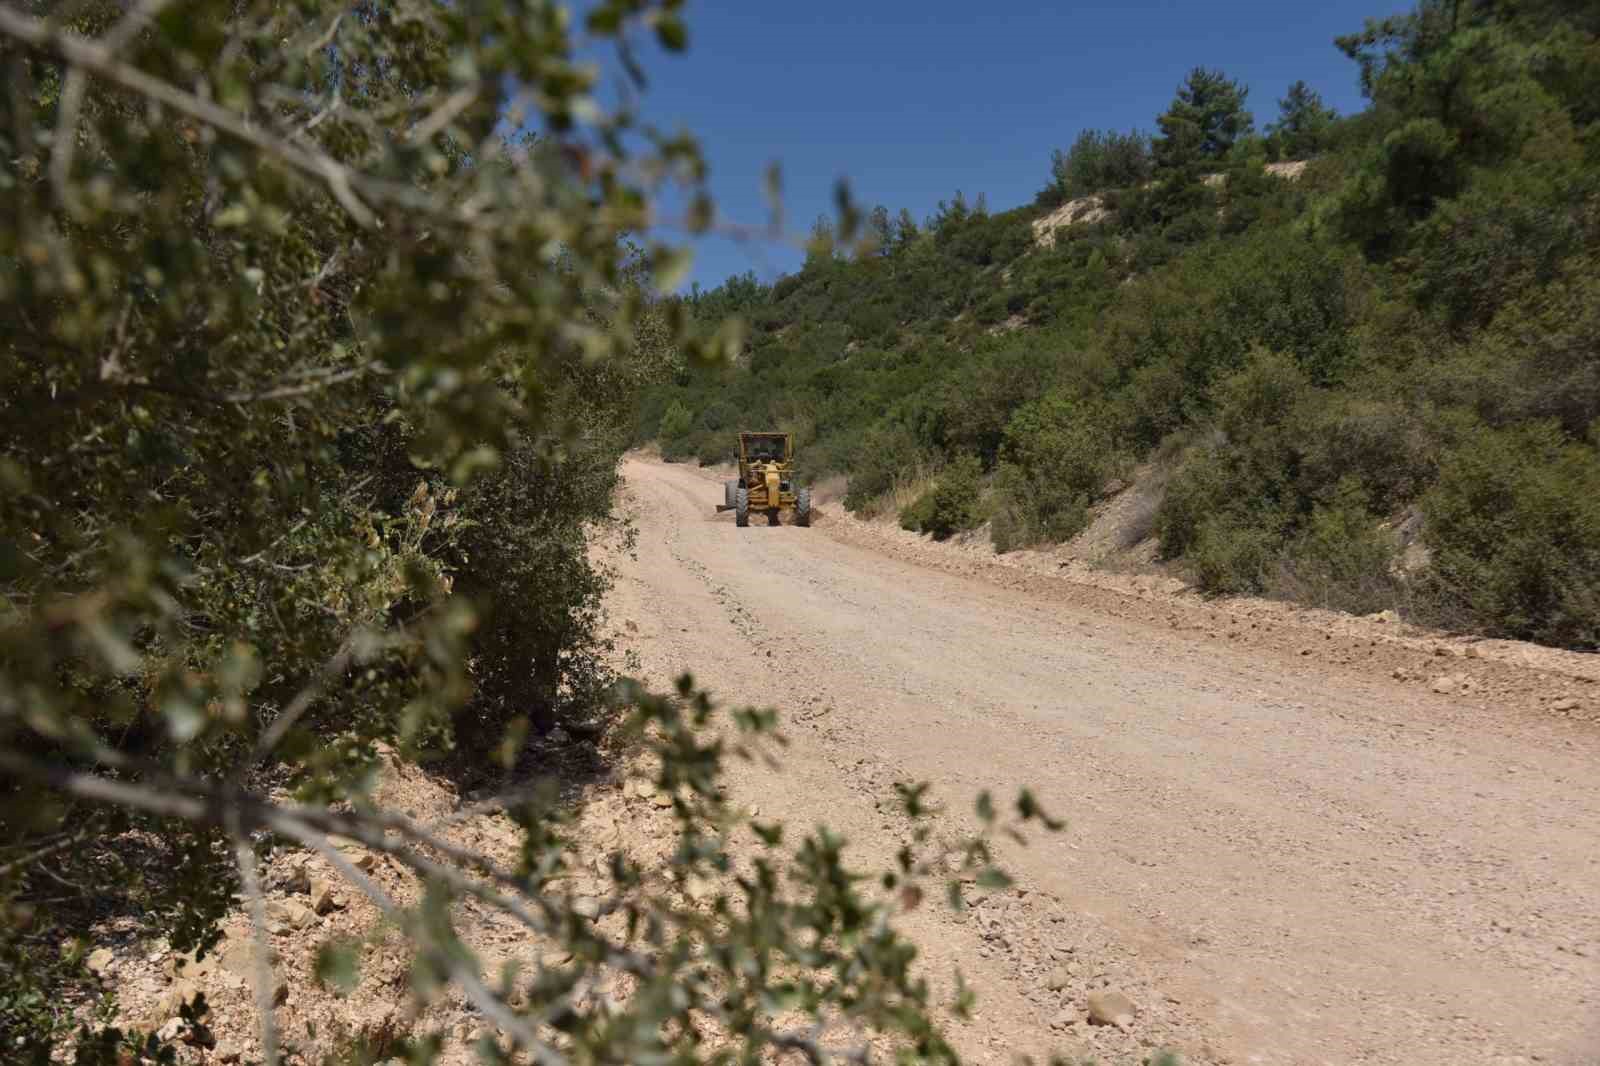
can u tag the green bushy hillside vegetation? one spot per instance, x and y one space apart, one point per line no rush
1409 332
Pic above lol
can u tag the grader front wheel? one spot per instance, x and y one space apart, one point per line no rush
802 507
741 506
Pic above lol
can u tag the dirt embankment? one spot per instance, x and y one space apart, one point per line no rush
308 906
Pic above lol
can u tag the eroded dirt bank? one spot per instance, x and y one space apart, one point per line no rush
1285 846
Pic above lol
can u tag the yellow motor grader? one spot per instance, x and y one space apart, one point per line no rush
766 481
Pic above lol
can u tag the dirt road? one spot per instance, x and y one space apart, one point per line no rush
1282 858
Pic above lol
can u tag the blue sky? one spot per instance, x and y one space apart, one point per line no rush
913 100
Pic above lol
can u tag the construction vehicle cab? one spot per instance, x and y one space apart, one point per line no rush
766 481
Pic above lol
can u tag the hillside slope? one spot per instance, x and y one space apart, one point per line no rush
1404 341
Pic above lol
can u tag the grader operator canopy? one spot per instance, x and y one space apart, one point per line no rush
766 481
767 447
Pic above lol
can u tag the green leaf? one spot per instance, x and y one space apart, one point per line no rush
605 21
672 267
338 965
771 834
702 214
672 33
994 878
1028 809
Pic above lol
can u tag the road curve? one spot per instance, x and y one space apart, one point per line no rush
1281 862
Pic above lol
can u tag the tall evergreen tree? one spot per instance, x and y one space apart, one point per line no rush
823 243
1205 120
906 231
880 229
1303 124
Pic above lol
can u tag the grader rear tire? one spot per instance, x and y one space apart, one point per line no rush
802 507
741 506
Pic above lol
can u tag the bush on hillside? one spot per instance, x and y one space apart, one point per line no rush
675 423
1536 361
951 505
1341 559
1059 455
1066 440
1181 331
1230 555
1029 509
1244 471
978 398
1506 236
1514 526
1376 441
887 457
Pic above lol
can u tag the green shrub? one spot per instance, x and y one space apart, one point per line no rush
676 422
1059 455
1067 441
1485 248
951 505
328 480
980 397
1389 449
1340 559
1007 532
1196 489
1537 359
1031 509
1514 527
712 448
886 456
1230 556
1243 471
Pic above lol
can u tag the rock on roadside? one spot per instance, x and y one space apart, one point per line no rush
325 896
99 963
1110 1007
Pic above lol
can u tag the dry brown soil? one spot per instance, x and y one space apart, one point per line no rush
1284 845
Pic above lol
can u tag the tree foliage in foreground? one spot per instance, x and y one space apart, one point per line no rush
312 380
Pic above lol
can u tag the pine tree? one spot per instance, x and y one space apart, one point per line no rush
880 229
821 247
1099 160
905 231
1303 124
1206 119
